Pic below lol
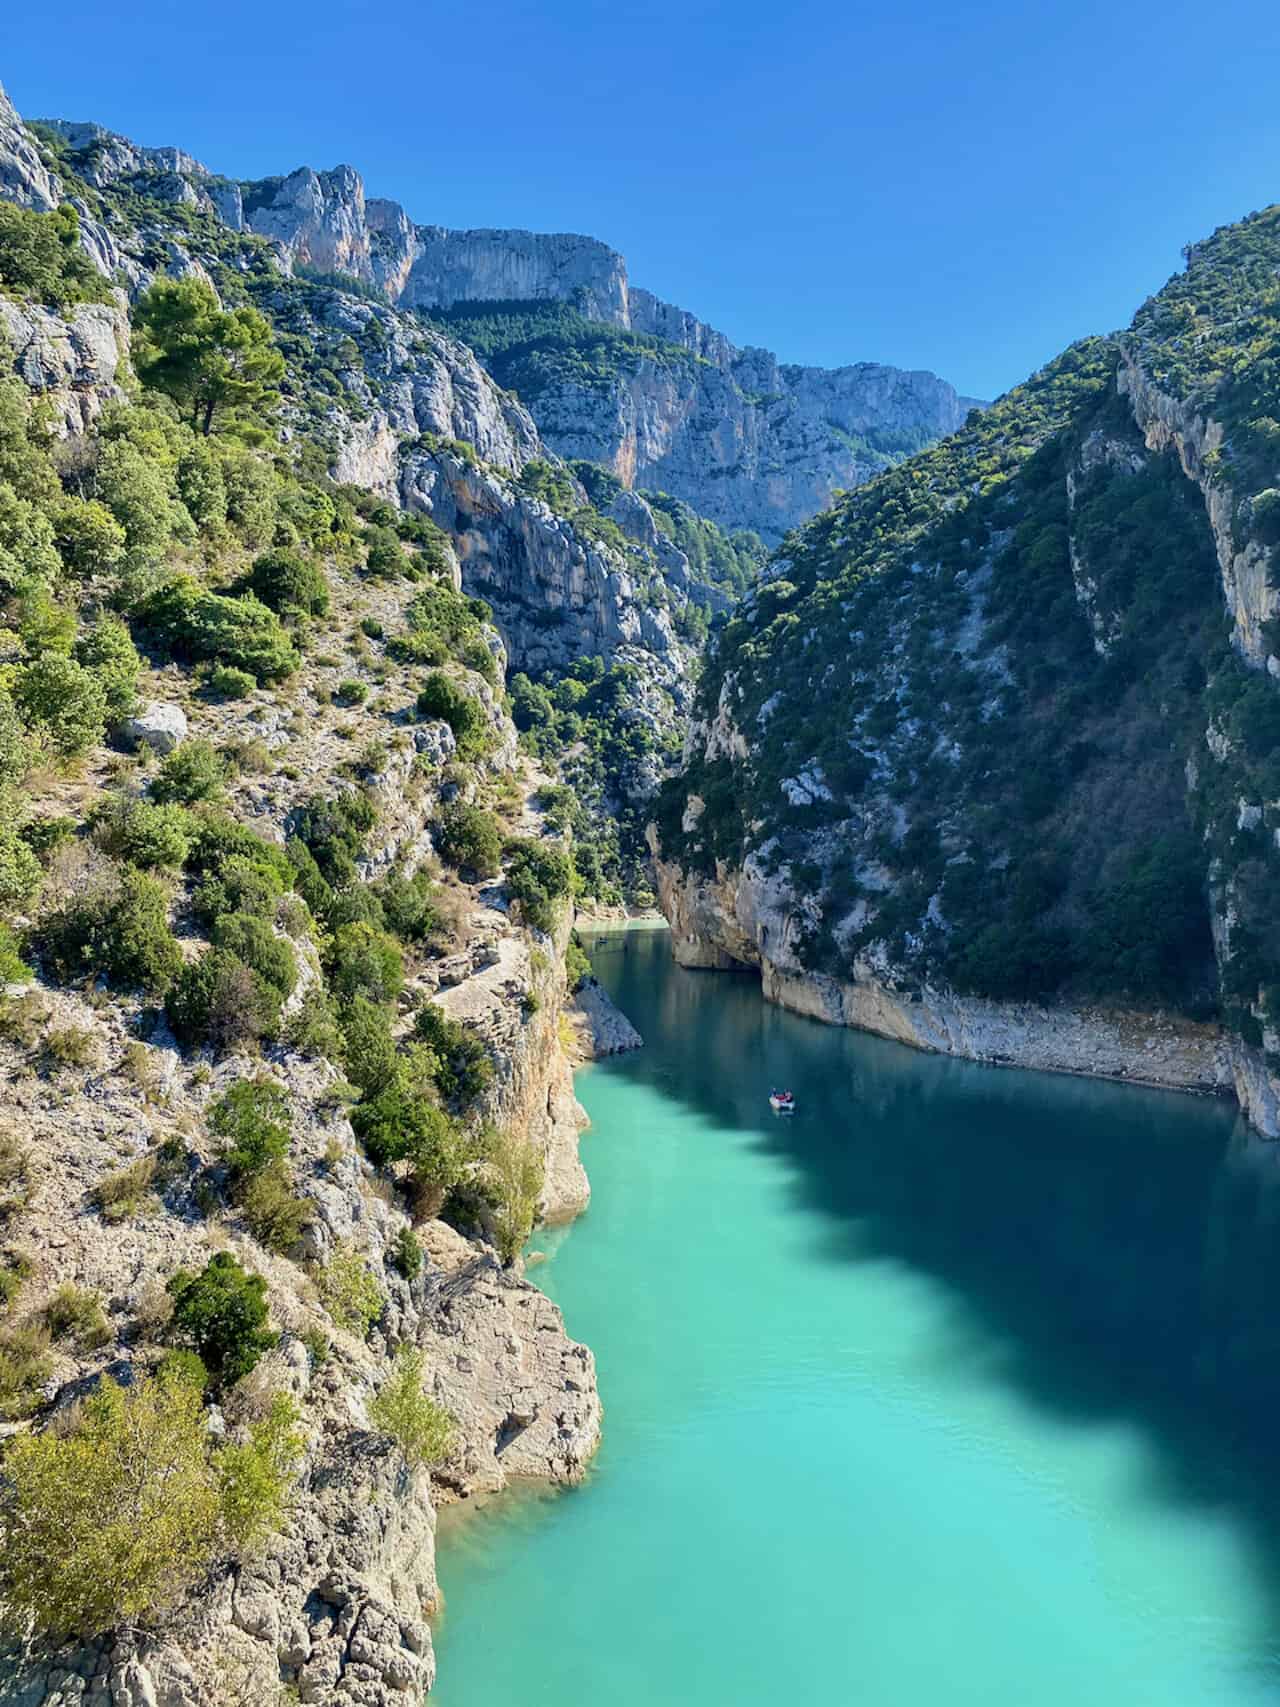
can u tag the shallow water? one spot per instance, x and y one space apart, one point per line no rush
958 1386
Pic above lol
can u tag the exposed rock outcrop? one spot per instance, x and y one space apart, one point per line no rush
745 439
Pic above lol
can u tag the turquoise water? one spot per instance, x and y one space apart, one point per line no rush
959 1386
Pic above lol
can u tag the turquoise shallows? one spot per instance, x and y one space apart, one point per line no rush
959 1386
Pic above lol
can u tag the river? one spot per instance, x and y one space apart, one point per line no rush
958 1386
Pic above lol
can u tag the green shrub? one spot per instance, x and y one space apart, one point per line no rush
20 872
470 838
243 632
221 1001
254 1118
362 961
443 698
402 1410
251 939
122 1193
538 876
112 1520
178 1365
77 1315
65 701
406 1254
370 1051
144 834
273 1211
408 907
222 1315
577 963
13 968
192 772
119 930
41 259
107 651
350 1292
229 683
289 584
516 1170
352 693
138 494
333 832
464 1066
24 1368
384 557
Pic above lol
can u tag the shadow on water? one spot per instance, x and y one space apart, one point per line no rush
1113 1253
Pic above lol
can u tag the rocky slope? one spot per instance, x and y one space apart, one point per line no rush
989 762
112 1172
747 440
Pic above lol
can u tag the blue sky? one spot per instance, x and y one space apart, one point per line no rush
959 187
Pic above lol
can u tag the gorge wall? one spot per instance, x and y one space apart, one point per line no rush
988 763
747 440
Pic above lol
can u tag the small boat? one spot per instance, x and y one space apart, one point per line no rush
782 1102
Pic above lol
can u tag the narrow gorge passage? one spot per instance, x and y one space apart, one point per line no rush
953 1387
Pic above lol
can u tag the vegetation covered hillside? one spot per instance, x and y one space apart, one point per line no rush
1004 721
284 936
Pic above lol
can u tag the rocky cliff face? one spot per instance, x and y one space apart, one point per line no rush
746 440
976 768
338 1607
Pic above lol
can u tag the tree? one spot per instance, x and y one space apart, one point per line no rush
222 1312
215 363
517 1171
422 1429
112 1519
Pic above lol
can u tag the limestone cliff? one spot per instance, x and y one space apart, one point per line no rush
747 440
112 1174
976 767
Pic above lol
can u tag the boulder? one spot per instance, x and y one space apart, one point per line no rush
159 725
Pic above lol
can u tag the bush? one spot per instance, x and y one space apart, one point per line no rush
221 1001
464 1066
422 1429
364 962
370 1050
114 1519
352 693
120 930
89 539
470 838
406 1254
75 1314
41 259
274 1212
107 651
229 683
194 771
254 1117
222 1314
146 835
120 1194
577 963
408 907
333 832
517 1171
384 556
289 584
244 632
443 698
251 939
350 1293
20 871
24 1368
538 876
65 701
